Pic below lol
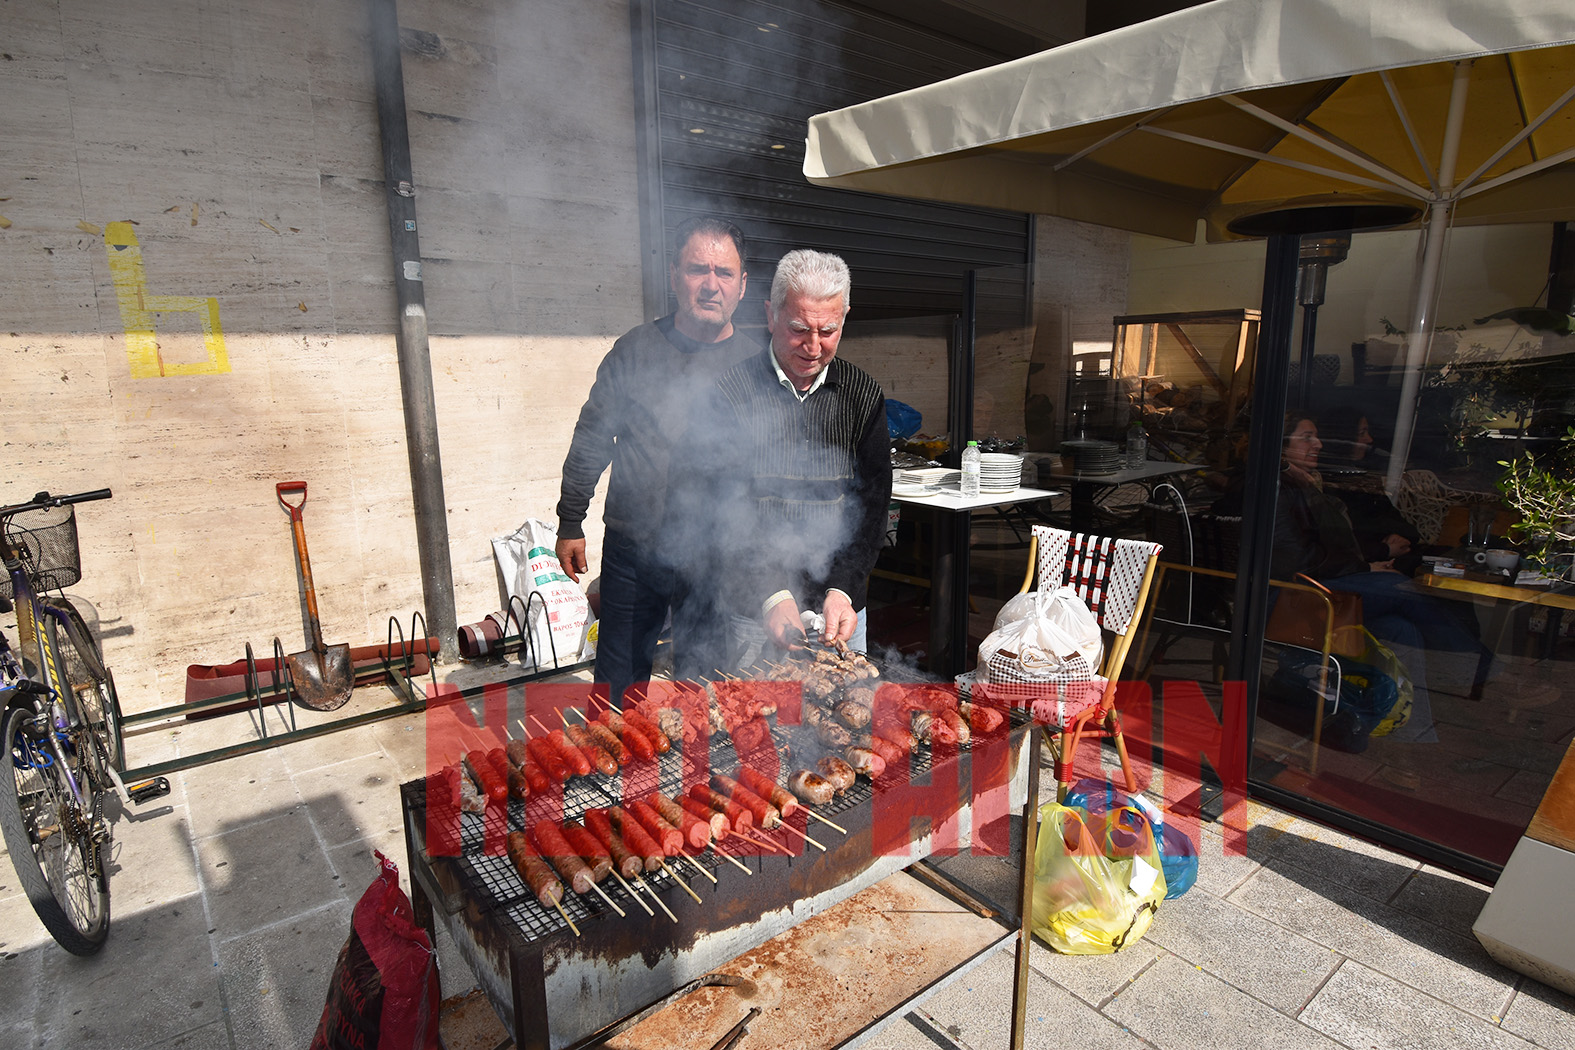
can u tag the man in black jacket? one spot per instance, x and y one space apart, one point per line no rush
646 395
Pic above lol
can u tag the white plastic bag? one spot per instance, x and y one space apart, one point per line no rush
1041 637
560 619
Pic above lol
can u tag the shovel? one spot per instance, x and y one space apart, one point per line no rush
322 675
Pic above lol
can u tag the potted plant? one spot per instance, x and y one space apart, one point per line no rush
1542 489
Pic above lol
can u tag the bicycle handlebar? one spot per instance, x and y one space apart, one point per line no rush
43 499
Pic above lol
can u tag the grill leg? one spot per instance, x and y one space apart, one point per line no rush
1026 903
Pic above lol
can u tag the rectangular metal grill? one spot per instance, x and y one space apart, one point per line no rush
521 950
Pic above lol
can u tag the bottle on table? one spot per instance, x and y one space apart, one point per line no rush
970 469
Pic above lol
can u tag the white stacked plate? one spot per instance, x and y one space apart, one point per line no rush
1000 472
926 481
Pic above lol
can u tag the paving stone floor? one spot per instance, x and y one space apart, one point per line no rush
232 897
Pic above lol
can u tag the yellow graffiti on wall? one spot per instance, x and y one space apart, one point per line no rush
139 313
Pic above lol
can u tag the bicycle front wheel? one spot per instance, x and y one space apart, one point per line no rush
89 681
51 841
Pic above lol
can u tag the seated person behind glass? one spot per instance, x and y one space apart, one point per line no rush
1353 472
1313 533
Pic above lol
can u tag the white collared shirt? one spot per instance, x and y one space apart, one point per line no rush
782 377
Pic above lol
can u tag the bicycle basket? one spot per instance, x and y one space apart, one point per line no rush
46 539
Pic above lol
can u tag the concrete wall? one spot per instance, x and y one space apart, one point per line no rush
236 143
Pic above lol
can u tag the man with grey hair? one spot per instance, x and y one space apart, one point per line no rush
801 461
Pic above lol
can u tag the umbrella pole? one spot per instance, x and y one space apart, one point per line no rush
1423 316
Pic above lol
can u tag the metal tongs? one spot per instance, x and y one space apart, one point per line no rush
738 1031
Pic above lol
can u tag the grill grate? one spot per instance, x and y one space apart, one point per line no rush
492 885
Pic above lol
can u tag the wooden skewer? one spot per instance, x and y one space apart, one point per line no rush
720 852
521 723
762 840
630 891
788 827
698 867
603 895
566 718
559 906
823 820
682 883
647 887
539 725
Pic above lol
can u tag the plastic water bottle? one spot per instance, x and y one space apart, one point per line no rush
970 470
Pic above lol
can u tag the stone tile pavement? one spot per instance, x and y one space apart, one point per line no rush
232 897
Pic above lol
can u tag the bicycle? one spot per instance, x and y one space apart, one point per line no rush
61 724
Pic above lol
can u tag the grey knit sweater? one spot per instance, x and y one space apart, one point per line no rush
798 490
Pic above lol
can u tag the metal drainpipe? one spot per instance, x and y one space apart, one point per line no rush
415 362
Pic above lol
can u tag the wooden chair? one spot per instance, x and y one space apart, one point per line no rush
1113 577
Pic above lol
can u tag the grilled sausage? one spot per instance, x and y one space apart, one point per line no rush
637 838
837 772
980 718
702 811
832 735
546 759
739 819
887 750
589 848
811 787
480 767
552 846
598 756
853 715
637 743
956 723
624 862
636 721
608 741
766 815
696 832
520 759
769 790
865 762
537 875
574 760
669 838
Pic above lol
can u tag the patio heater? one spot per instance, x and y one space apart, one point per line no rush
1318 252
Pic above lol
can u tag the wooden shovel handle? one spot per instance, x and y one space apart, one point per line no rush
285 487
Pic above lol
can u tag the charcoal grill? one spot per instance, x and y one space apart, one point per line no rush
554 989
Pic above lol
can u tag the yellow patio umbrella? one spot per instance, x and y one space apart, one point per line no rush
1447 111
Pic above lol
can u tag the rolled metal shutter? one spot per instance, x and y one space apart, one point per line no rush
726 88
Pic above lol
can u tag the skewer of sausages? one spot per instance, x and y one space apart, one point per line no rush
766 815
624 861
481 769
537 875
700 811
668 837
552 847
519 757
598 756
696 832
636 721
637 742
770 790
865 762
499 760
608 741
546 759
589 848
637 838
739 819
573 758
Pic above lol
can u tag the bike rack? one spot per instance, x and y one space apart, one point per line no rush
272 688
